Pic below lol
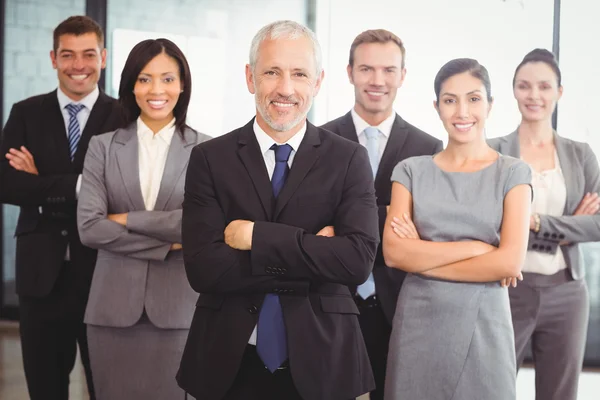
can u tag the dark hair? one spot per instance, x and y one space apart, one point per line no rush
376 36
543 56
459 66
78 25
138 58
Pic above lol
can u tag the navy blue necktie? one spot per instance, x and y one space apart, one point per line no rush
74 131
271 341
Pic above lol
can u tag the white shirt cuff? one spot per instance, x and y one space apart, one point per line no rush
78 187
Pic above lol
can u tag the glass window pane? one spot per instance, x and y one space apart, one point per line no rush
215 36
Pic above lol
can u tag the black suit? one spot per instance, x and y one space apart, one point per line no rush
330 183
376 316
52 293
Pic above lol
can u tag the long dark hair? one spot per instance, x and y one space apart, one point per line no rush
138 58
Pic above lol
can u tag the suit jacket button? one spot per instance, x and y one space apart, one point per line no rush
64 232
534 246
252 309
561 236
554 236
546 235
548 249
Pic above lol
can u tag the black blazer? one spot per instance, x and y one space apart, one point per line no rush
405 141
42 237
330 183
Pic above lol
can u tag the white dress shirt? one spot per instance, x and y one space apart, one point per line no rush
385 127
265 142
550 199
152 156
82 117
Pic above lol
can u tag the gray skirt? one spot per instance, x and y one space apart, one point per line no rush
137 362
451 341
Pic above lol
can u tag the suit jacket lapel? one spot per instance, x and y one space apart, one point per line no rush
98 115
391 152
347 128
54 124
511 145
572 178
253 160
177 161
304 159
128 162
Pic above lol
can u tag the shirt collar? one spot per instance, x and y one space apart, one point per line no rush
88 101
265 141
385 127
166 133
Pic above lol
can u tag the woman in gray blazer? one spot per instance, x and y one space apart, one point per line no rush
140 304
551 306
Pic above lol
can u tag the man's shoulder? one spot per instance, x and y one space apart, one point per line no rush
334 125
419 134
220 147
35 101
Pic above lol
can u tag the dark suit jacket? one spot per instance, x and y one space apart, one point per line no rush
42 237
405 141
330 183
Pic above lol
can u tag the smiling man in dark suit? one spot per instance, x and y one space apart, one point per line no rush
275 318
43 147
376 69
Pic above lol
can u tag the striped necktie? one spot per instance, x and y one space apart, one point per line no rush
74 131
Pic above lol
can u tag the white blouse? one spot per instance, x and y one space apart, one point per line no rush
549 198
152 156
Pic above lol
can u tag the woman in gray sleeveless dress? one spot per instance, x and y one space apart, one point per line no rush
458 225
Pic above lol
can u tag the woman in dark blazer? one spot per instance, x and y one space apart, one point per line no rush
551 305
141 304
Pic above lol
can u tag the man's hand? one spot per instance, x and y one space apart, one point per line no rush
327 231
118 218
238 234
22 160
589 205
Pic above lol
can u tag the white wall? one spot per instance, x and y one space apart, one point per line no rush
579 107
497 33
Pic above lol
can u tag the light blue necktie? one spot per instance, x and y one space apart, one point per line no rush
74 131
271 339
368 288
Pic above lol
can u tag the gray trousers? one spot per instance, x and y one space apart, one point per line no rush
552 311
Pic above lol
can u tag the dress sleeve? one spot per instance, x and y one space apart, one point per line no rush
402 174
519 173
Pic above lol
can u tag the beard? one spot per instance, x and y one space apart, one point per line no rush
281 127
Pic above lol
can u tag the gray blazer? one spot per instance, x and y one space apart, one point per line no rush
135 269
582 175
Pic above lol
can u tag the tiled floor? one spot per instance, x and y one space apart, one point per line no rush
12 380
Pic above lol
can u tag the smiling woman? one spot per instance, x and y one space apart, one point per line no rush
140 303
459 254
